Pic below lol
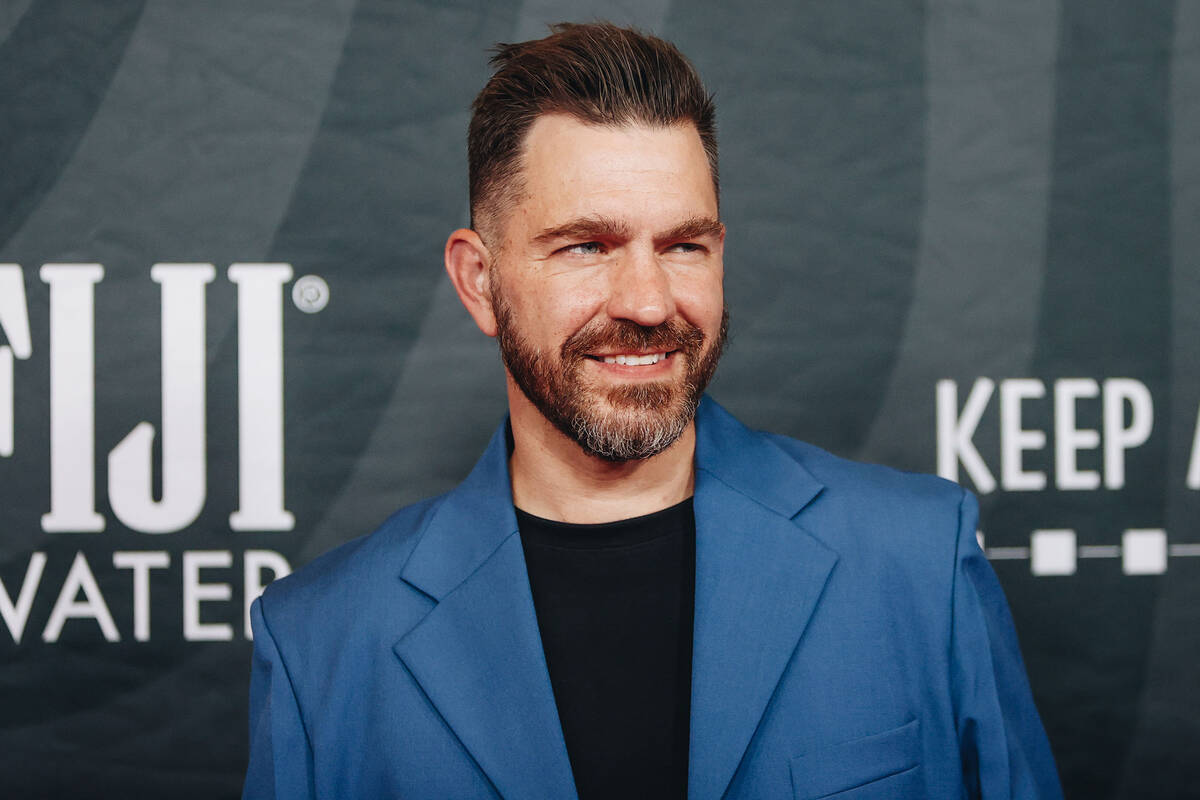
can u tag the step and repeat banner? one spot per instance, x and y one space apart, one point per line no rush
964 238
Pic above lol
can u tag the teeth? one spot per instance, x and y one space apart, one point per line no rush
633 360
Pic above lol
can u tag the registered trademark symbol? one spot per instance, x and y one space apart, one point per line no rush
310 293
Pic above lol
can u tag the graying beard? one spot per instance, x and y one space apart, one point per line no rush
634 427
630 434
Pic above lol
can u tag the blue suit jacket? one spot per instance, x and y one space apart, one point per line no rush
850 640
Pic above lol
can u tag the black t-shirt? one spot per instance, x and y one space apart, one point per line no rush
614 606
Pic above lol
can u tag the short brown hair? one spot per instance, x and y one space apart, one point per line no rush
598 73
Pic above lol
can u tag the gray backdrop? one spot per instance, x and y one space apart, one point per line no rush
916 193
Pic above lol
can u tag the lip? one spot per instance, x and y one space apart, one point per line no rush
657 371
600 356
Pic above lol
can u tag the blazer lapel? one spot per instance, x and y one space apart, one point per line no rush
759 577
478 655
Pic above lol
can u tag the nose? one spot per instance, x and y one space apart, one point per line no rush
640 290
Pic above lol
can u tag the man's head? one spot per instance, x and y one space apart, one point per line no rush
598 257
597 73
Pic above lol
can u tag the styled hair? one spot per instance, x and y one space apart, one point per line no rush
598 73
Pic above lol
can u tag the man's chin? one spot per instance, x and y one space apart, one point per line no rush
625 428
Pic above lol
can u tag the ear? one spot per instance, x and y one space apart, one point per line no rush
467 264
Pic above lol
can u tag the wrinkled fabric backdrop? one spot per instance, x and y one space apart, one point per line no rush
964 237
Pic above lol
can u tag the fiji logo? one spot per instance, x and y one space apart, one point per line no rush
260 502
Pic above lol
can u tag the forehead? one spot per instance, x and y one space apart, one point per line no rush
641 173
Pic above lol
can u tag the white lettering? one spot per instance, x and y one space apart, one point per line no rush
16 615
1015 440
195 592
92 607
130 464
72 398
954 432
1193 473
141 562
1118 438
260 398
14 324
1069 440
6 401
255 561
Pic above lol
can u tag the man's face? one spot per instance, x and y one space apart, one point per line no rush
607 286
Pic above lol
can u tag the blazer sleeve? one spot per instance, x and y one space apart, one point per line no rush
1005 753
281 763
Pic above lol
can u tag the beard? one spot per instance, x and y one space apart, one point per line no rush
616 423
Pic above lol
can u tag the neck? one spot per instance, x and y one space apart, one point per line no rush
553 478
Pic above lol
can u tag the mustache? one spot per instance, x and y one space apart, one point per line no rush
624 335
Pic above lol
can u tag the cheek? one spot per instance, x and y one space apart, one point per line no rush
701 300
558 308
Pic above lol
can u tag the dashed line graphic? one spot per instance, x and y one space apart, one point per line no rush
1099 551
1008 553
1142 551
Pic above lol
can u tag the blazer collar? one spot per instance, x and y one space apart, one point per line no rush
759 578
478 656
467 526
477 515
750 463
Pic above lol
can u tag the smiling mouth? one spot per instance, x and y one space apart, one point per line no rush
633 359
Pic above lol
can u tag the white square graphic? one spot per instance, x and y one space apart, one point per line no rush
1052 552
1144 552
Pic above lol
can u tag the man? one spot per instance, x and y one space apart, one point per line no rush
632 595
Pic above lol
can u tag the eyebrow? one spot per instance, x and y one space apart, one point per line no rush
609 228
694 228
586 228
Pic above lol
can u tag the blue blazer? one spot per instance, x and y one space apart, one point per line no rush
850 640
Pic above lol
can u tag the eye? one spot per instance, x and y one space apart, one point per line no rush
686 247
584 249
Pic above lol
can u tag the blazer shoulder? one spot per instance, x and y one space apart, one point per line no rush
881 506
340 579
841 473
